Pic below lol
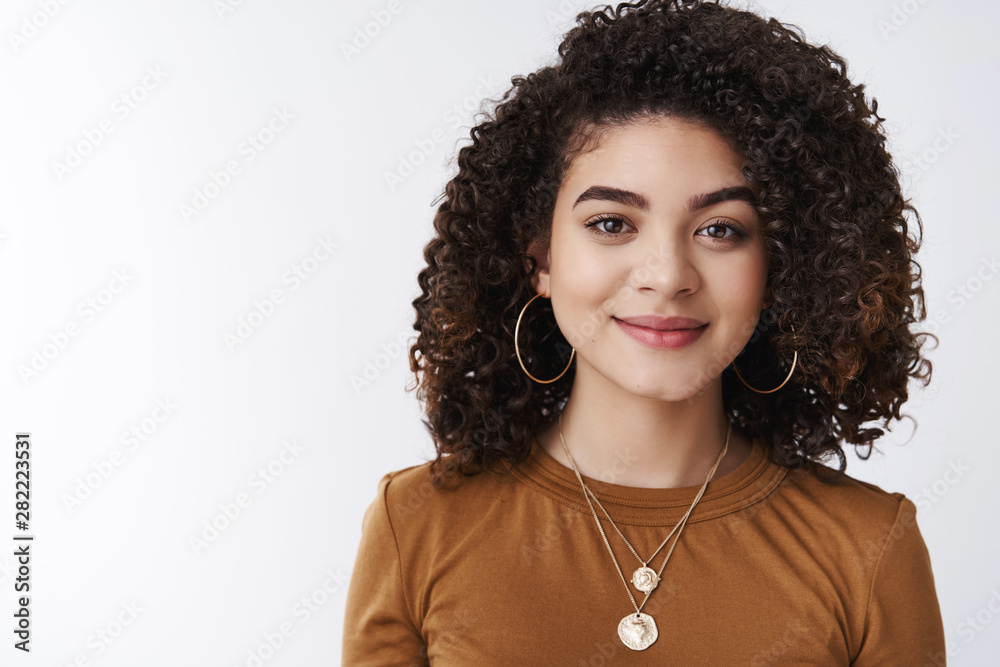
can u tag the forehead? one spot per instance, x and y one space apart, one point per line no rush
655 153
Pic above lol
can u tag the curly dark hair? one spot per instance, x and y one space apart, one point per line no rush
845 287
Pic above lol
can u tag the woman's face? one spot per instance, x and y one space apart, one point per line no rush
655 222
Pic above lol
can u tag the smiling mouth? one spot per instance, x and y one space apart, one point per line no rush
664 339
662 324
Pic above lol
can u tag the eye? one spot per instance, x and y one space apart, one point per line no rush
612 226
615 222
721 227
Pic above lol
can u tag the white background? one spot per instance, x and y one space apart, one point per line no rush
161 331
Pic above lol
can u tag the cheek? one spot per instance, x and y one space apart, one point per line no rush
585 286
740 288
582 272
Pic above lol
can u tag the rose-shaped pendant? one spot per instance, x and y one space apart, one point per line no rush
645 579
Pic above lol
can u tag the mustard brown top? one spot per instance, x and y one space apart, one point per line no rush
773 567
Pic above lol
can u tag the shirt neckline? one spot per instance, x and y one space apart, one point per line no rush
753 480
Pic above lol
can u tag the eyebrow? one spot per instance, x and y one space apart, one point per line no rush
636 200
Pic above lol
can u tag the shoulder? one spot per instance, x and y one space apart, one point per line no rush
856 516
870 539
414 505
814 484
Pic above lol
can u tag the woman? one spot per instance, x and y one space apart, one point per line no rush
672 275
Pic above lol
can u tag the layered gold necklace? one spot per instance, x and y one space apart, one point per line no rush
639 631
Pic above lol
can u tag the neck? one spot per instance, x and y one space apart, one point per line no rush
622 438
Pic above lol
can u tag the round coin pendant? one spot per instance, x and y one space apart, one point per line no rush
645 579
638 631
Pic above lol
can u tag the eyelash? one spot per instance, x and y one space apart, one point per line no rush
737 232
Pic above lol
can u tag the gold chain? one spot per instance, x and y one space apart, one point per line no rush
615 526
587 494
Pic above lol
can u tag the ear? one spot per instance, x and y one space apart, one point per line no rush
540 250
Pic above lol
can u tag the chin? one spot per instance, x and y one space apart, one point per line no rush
657 387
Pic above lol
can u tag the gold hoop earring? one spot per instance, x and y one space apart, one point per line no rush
791 370
517 350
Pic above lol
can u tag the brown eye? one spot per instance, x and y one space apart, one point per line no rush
608 225
719 229
615 225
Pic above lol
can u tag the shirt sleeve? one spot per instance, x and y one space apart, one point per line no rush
903 620
378 627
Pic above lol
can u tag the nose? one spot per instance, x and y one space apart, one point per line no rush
667 269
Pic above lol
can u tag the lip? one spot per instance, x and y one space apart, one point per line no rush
657 323
686 331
